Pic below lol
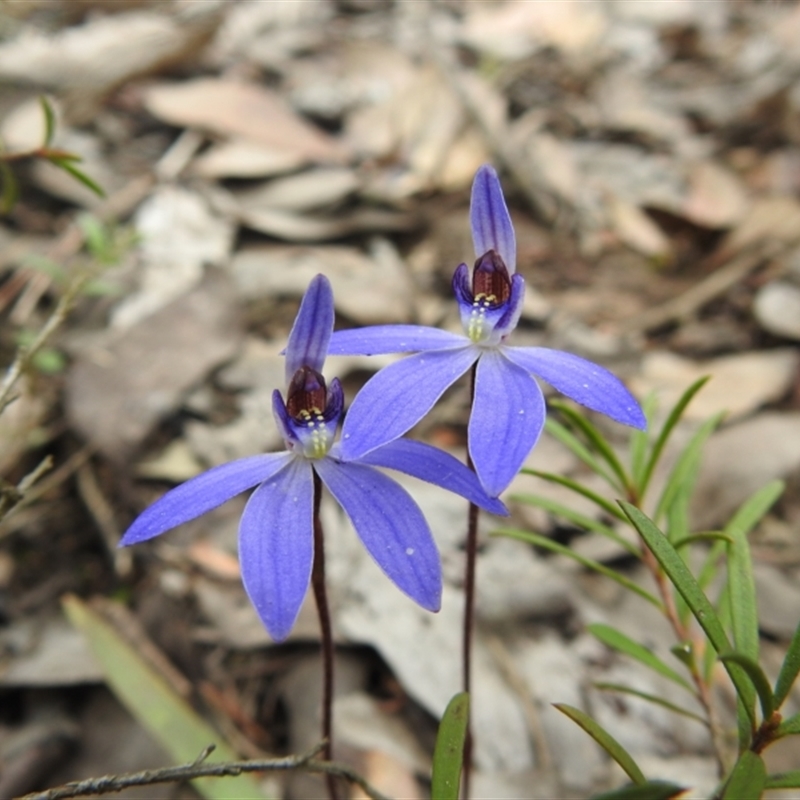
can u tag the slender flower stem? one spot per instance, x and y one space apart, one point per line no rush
469 611
321 596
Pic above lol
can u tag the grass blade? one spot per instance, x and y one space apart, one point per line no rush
153 702
651 790
605 740
49 120
789 670
572 443
651 698
784 780
686 465
548 544
748 778
596 439
581 520
757 677
68 166
449 751
669 425
789 726
580 489
683 580
619 641
703 536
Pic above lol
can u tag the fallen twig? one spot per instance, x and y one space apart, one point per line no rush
199 769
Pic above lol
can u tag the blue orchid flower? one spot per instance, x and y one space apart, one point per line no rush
276 547
508 410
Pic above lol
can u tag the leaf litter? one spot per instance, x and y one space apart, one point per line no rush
649 149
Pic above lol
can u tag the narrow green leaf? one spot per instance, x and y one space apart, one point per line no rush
683 580
784 780
49 120
581 520
748 778
651 790
66 164
651 698
669 425
547 543
605 740
571 442
702 536
449 751
757 678
153 702
741 583
790 726
624 644
596 439
10 188
580 489
639 445
789 669
686 465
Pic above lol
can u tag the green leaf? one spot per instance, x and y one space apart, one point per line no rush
607 506
49 120
683 580
789 669
548 544
748 778
10 188
651 790
784 780
702 536
571 442
651 698
581 520
686 465
449 751
790 726
596 439
624 644
669 425
639 445
605 740
757 677
65 163
741 584
155 704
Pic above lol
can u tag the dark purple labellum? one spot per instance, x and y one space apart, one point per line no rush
490 280
307 395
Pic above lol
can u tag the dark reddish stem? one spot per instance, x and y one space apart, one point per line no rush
469 611
323 611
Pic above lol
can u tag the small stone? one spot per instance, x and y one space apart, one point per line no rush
777 309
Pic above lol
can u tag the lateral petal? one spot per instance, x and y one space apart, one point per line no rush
379 339
399 396
508 414
490 220
391 526
434 466
276 547
313 325
585 382
202 494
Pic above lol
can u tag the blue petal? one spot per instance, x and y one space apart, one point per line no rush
490 220
308 340
399 396
390 525
285 424
586 383
507 417
462 286
434 466
202 494
513 308
276 547
380 339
